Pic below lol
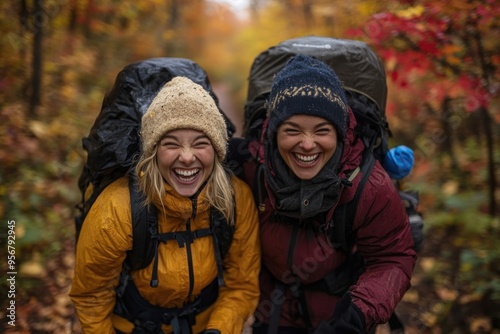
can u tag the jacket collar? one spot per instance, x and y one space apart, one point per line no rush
176 205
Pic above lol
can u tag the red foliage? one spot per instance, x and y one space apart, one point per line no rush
425 39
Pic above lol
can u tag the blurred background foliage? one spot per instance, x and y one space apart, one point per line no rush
60 57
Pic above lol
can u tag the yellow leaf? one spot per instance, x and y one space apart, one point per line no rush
411 12
427 263
450 187
453 60
451 49
429 318
480 325
411 296
32 268
446 294
38 128
466 267
469 298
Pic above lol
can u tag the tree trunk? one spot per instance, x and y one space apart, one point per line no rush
307 11
36 78
24 29
174 13
173 47
447 126
87 19
487 70
73 16
24 16
492 185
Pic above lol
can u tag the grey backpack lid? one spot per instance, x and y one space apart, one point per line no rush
355 63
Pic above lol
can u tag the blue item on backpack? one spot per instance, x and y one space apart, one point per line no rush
399 161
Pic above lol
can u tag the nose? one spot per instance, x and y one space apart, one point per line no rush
187 156
307 142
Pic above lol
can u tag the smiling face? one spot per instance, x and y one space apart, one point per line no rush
186 159
306 144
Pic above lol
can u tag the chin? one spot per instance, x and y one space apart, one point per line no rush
306 176
306 173
187 192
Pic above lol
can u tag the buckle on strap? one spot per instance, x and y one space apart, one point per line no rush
182 325
183 237
145 327
189 311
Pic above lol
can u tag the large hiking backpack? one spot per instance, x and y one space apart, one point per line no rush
364 80
357 66
113 147
113 143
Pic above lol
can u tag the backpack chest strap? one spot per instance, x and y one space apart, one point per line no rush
182 237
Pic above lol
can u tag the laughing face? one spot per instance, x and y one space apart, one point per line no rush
306 144
186 160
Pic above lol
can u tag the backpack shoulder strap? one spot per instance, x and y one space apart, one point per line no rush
222 236
143 219
259 191
343 217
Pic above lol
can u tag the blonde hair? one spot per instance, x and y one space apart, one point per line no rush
220 192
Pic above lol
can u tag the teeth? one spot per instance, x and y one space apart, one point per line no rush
187 173
306 158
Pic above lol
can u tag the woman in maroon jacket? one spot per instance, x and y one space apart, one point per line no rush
310 154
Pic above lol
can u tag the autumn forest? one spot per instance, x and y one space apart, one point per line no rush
442 60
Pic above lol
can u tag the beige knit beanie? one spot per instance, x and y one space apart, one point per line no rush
183 104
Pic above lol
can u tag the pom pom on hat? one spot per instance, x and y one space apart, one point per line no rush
183 104
307 86
399 162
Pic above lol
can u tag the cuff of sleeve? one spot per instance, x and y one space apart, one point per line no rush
225 321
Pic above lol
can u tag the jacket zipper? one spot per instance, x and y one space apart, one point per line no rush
190 260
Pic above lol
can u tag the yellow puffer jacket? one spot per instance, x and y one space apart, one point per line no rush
106 235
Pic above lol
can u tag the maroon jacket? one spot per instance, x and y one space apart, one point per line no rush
383 237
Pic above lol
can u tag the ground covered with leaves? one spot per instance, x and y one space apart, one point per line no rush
431 306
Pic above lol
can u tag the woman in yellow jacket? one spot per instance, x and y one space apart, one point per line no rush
184 142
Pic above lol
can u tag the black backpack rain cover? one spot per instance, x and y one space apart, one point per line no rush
113 143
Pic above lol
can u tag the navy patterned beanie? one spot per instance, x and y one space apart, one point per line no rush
307 86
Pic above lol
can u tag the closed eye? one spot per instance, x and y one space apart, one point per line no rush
168 143
323 131
202 144
291 131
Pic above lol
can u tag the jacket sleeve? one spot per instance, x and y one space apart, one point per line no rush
101 248
239 297
384 239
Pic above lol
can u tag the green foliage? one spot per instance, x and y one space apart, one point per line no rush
462 209
479 267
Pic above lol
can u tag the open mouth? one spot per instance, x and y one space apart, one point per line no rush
305 159
186 175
